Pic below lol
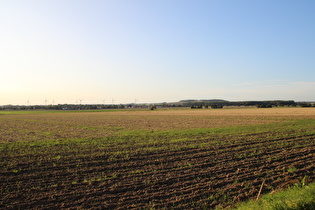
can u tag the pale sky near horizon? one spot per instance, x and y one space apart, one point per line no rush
156 51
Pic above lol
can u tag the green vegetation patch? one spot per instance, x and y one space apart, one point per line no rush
192 136
297 197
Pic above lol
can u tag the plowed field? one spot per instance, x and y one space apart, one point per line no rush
152 159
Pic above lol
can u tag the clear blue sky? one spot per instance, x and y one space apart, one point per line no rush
155 51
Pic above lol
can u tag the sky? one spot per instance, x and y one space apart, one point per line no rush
127 51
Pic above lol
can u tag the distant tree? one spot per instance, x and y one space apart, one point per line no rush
264 106
152 107
215 106
306 105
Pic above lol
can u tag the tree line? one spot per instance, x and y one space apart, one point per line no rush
194 104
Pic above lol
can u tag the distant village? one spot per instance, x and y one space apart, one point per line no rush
193 104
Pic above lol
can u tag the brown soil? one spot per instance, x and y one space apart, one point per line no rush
181 177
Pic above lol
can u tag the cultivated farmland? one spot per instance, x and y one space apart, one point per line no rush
152 159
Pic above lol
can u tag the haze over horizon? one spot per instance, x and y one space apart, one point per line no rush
121 51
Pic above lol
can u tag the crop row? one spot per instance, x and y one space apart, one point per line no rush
181 174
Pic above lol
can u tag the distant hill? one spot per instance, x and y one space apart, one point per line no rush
204 100
221 103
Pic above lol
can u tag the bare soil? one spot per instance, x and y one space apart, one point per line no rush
193 173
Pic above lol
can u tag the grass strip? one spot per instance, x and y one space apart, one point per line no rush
296 197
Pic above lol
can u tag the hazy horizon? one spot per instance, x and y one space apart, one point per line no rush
140 51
